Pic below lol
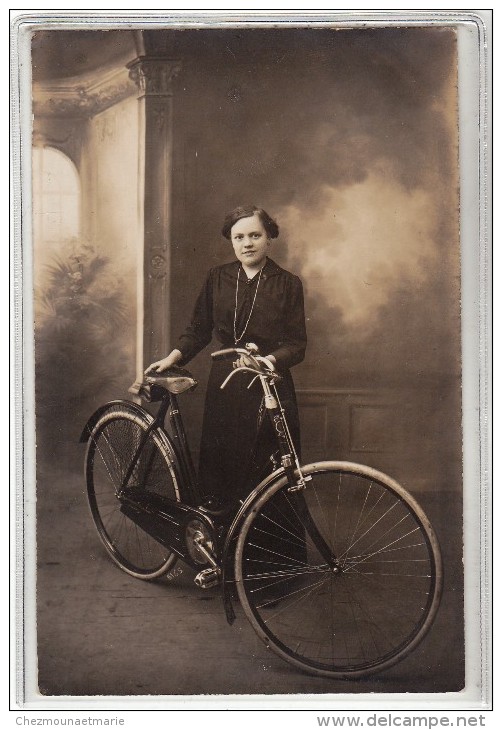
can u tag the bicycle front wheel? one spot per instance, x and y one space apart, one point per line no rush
343 578
113 442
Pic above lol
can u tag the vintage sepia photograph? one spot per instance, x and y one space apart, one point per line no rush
246 270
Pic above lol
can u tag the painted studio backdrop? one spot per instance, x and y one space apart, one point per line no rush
143 140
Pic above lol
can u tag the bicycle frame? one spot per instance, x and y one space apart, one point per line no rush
167 520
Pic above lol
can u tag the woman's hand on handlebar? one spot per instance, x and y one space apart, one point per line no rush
244 361
270 361
161 366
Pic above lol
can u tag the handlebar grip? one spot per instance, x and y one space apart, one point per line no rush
227 354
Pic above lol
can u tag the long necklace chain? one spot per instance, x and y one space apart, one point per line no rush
238 339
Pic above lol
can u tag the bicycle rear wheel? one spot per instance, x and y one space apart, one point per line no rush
112 444
365 609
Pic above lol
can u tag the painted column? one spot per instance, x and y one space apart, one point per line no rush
154 76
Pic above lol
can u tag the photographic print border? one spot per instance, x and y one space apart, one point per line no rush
475 188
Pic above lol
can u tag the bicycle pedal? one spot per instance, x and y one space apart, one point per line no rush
208 578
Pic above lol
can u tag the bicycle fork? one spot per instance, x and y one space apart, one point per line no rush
296 482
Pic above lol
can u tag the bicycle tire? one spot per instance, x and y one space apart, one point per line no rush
373 607
111 445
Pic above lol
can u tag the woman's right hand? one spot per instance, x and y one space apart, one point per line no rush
161 366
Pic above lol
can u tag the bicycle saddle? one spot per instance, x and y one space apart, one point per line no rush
175 380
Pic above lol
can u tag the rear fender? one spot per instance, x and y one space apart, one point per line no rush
130 405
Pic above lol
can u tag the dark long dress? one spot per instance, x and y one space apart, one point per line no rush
237 440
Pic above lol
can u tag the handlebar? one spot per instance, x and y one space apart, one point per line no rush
229 353
257 366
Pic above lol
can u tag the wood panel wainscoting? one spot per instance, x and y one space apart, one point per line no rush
395 431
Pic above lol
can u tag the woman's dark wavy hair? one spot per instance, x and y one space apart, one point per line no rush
247 211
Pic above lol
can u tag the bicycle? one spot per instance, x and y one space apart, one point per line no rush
336 565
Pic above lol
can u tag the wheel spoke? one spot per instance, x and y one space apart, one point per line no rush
275 552
310 590
385 547
372 527
297 537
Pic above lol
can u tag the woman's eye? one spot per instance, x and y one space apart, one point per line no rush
256 235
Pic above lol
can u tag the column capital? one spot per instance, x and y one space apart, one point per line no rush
154 75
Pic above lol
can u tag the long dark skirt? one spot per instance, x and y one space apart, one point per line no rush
237 438
237 444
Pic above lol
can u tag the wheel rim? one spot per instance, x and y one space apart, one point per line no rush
364 611
112 444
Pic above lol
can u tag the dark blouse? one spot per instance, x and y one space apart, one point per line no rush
277 322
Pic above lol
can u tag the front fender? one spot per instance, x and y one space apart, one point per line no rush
137 409
228 547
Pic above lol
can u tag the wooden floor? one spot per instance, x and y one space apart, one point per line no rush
101 632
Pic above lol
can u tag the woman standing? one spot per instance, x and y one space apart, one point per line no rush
249 300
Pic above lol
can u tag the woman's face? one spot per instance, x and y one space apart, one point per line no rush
250 241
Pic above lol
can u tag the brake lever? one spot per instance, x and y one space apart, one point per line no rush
268 364
238 370
251 383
